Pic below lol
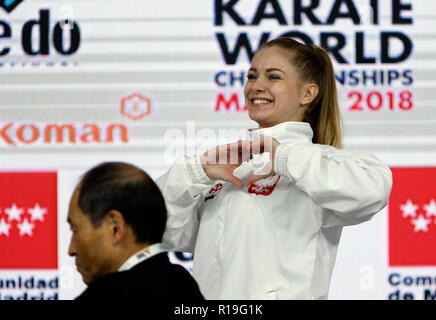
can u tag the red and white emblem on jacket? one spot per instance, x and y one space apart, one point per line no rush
265 186
412 217
215 188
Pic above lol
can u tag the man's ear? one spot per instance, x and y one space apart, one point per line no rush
309 93
117 226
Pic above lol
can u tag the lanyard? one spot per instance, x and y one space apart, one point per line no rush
141 256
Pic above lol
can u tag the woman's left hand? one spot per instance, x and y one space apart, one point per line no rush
261 145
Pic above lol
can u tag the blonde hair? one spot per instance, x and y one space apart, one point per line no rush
314 65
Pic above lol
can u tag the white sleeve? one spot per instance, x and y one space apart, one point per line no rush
351 187
182 187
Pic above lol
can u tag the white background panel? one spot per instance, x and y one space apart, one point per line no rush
168 51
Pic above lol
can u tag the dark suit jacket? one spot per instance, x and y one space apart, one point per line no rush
153 279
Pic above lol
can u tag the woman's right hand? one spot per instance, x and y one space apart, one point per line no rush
219 163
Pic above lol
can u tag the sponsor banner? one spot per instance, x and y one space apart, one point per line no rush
45 41
411 284
18 134
396 260
28 220
83 63
371 54
412 217
29 285
28 236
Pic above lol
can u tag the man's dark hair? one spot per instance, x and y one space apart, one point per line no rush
129 190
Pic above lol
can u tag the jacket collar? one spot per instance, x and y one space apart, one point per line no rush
286 132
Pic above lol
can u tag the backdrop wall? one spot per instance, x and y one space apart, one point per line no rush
144 81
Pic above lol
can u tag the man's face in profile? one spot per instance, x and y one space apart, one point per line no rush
89 245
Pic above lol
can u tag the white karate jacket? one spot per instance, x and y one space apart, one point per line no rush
277 239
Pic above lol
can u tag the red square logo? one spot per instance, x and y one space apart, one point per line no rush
412 217
28 220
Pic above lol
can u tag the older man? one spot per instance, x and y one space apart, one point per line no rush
117 215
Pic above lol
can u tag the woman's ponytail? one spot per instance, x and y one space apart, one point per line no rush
327 119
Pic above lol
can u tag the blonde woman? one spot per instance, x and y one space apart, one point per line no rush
274 233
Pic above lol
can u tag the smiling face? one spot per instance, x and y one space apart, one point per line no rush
273 92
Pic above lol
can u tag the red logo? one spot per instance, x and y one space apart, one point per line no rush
412 217
216 188
135 106
28 220
265 186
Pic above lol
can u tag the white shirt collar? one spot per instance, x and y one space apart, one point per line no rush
286 132
142 255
